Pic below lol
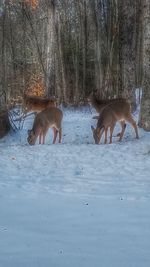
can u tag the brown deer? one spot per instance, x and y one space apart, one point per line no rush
111 114
50 117
37 104
99 105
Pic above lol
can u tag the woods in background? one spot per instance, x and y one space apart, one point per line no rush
70 48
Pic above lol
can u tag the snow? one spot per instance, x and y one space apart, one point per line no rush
75 203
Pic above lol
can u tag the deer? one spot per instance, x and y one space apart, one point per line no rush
37 104
111 114
99 106
50 117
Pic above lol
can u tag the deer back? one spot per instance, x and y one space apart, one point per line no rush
121 108
37 104
117 104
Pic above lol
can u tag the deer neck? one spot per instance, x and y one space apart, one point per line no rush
98 104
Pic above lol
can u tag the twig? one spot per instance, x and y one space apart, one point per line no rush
25 116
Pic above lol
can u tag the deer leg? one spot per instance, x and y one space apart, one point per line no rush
111 132
106 130
40 138
44 135
55 134
101 133
133 123
123 125
60 135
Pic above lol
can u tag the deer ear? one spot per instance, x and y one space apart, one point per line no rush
92 128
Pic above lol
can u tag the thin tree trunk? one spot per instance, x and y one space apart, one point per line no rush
127 45
144 120
50 56
62 65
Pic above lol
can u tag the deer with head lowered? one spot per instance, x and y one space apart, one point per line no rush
50 117
118 103
117 111
36 104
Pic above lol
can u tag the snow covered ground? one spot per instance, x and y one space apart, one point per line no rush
75 204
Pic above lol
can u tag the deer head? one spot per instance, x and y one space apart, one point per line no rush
96 134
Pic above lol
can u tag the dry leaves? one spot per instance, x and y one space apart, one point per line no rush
36 86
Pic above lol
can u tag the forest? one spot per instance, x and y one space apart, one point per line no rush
74 133
70 48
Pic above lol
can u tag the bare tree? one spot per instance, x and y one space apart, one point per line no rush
75 46
145 105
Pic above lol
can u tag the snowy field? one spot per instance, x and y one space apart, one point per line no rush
75 204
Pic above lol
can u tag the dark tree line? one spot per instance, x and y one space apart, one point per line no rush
76 47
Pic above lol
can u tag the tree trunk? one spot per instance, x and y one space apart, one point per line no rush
144 121
127 48
4 123
50 53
